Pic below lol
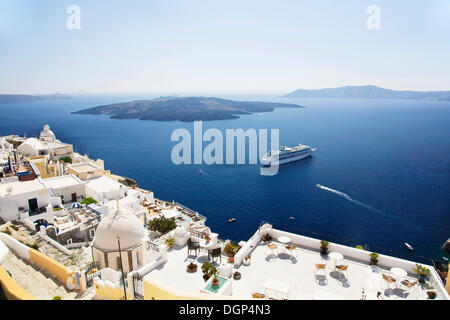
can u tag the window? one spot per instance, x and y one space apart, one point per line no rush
69 241
92 233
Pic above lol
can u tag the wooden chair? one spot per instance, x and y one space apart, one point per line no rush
292 250
408 285
215 253
341 269
389 280
320 272
192 245
272 248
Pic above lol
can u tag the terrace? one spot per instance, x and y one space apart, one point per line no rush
295 275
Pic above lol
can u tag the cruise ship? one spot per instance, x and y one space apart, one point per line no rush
286 155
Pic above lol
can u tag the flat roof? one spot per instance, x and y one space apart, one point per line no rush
19 187
103 184
296 273
62 181
84 167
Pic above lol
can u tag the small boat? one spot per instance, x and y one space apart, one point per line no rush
409 246
232 220
291 218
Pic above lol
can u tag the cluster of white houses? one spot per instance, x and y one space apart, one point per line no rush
45 186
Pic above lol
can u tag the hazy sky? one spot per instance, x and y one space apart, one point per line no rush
178 46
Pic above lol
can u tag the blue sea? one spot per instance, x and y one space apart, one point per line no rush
386 161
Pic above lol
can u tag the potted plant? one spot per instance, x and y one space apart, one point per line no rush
208 270
247 261
170 242
360 247
431 294
323 247
422 271
236 275
374 258
230 250
215 281
266 237
191 267
207 239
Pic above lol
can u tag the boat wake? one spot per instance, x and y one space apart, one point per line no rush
346 196
369 207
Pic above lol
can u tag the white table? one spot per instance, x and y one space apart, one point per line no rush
335 256
398 272
284 240
206 246
277 287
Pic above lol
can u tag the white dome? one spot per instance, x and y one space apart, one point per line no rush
125 225
47 134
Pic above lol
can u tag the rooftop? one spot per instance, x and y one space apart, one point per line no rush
19 187
297 274
84 167
62 181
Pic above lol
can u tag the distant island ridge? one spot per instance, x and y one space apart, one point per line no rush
185 109
26 98
368 92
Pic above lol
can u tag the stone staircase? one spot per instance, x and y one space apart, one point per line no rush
34 281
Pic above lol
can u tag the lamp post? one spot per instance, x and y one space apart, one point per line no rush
121 268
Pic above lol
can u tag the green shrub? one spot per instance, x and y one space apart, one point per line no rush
421 270
56 298
66 159
162 225
57 209
323 244
231 249
374 255
360 247
87 201
208 269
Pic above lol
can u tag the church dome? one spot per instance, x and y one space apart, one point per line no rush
120 224
47 134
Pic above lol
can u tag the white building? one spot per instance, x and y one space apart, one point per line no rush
104 189
69 188
27 199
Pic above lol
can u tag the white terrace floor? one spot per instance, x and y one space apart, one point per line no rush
298 273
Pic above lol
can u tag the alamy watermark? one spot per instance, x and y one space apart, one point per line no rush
374 20
213 153
74 20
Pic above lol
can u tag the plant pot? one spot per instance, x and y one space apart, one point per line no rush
231 259
215 282
422 278
236 275
323 252
373 262
431 294
191 270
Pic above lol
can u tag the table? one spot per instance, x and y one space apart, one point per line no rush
335 256
284 240
206 246
278 287
399 272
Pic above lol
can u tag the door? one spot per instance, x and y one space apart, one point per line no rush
32 204
74 197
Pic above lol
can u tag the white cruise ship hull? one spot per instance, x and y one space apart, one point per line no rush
273 161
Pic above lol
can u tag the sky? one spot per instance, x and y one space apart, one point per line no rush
211 46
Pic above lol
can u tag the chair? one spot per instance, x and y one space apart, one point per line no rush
215 253
272 248
341 269
389 280
320 272
192 245
408 285
292 251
